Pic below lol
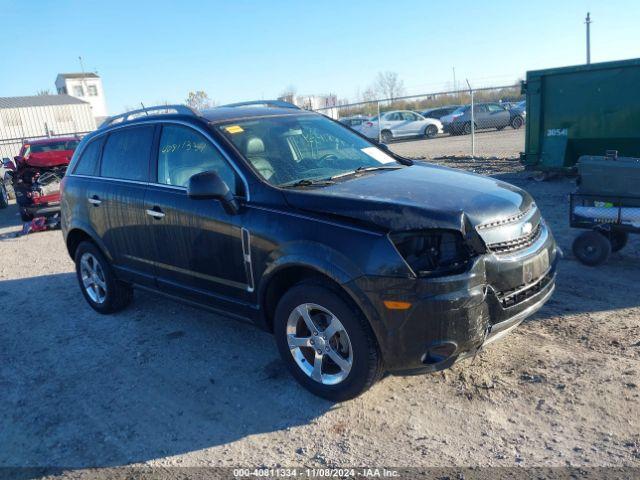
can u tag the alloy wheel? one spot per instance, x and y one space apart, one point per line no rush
319 344
93 279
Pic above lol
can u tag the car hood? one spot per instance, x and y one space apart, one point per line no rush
48 159
416 197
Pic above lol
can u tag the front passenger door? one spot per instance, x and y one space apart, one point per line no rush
198 245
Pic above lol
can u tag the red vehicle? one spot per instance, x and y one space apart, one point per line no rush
36 174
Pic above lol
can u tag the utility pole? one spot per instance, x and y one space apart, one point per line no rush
84 85
588 23
454 78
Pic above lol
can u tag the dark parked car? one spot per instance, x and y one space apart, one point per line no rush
439 112
359 261
486 115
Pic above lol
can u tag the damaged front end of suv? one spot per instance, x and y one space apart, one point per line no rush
478 259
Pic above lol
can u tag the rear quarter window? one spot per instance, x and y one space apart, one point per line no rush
126 154
88 162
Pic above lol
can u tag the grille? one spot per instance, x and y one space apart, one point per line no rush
518 243
509 298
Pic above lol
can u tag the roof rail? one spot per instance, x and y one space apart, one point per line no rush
147 111
263 103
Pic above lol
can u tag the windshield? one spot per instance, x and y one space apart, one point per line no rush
55 146
293 148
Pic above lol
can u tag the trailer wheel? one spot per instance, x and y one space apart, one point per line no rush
592 248
617 239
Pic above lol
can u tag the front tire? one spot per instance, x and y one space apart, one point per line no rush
100 287
386 136
326 342
466 129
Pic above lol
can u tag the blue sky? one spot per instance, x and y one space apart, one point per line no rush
156 51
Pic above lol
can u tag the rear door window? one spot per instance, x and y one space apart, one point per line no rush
126 154
89 161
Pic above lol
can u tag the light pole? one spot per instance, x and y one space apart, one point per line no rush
588 24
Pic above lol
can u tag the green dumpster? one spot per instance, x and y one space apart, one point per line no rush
581 110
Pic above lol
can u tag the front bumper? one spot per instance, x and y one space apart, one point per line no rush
453 317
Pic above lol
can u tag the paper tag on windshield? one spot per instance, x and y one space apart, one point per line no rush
234 129
378 155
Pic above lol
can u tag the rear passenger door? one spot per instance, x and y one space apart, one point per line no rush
393 121
198 249
498 116
116 199
481 116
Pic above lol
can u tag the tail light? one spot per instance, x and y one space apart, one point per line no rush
369 124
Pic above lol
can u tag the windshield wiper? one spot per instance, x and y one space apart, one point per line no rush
306 182
365 169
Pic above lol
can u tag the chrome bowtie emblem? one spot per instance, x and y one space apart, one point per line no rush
527 228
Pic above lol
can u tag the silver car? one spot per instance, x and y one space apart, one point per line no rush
401 124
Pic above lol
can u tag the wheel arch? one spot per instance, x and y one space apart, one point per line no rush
274 286
78 234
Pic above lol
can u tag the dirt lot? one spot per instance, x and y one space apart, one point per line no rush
507 143
164 384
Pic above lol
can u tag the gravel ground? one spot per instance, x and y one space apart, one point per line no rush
507 143
164 384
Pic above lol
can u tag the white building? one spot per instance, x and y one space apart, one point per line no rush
86 87
311 102
24 118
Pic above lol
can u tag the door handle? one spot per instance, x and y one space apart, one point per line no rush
94 200
155 212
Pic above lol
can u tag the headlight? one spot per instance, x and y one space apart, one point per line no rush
434 252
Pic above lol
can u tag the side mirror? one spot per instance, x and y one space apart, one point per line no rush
209 186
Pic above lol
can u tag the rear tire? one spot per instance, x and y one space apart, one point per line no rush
100 287
592 248
517 122
354 341
386 136
431 131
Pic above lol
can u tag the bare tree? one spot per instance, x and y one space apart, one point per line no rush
42 93
388 85
199 100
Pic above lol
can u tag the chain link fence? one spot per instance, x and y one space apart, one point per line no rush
472 123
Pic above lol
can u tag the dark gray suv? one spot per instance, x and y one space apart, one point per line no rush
359 261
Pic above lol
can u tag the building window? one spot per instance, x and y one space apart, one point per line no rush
92 90
78 91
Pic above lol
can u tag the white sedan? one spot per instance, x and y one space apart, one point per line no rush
401 124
